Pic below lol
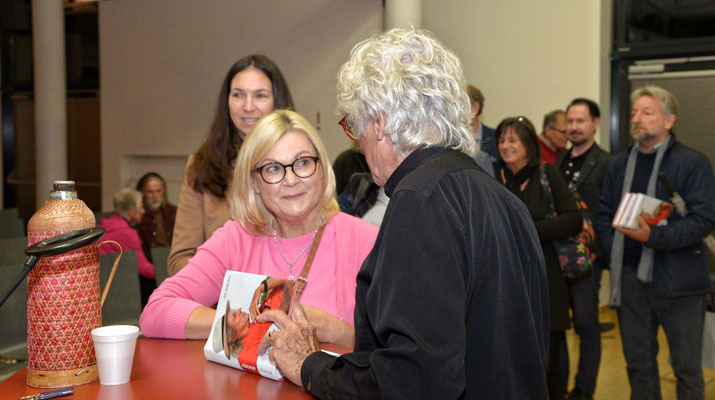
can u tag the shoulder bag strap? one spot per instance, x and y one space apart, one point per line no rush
292 289
545 184
303 278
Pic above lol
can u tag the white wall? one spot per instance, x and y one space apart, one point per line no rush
162 63
527 58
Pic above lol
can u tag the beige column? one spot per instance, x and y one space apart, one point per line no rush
403 14
48 33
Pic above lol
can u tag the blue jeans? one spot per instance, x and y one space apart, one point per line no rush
682 318
583 298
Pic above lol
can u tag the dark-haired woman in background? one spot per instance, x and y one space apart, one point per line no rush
253 87
521 174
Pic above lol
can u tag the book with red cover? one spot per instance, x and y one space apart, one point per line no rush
234 338
655 211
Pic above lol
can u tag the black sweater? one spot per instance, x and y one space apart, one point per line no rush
568 223
452 300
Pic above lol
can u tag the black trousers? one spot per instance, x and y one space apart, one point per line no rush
554 381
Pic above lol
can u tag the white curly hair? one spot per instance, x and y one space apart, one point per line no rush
415 83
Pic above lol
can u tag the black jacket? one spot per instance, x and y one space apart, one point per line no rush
590 179
590 182
452 301
567 223
680 265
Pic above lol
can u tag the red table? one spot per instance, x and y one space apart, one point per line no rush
166 369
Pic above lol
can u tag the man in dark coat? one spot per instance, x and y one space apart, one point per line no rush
659 274
583 167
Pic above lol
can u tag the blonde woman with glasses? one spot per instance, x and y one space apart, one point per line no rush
283 203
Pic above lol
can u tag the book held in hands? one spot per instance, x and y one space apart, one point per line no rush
654 211
234 338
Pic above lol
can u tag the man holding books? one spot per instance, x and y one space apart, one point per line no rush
659 274
583 167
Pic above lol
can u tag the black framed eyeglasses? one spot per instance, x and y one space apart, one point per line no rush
348 128
561 131
274 172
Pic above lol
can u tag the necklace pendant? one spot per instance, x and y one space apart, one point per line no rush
290 265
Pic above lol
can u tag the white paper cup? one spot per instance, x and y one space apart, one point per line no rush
114 347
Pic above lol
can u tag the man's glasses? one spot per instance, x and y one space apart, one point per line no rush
347 128
274 172
561 131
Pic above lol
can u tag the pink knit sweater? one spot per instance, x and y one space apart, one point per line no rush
119 230
331 284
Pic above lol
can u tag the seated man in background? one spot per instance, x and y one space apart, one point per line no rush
157 224
347 164
128 212
363 198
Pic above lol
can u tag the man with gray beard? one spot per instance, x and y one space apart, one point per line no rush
157 226
659 274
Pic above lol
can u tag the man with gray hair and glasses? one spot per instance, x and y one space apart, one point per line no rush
659 274
452 302
553 136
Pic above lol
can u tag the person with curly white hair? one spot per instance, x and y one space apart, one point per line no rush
452 301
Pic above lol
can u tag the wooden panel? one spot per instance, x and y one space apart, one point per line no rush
83 151
84 158
23 176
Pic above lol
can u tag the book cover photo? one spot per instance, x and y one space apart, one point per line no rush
654 211
234 338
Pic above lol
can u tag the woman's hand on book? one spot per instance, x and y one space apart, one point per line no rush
253 308
269 283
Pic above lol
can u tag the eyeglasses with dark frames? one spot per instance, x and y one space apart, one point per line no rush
348 128
275 172
561 131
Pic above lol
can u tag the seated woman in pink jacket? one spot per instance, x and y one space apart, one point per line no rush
128 212
283 191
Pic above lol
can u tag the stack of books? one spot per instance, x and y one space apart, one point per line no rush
633 205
